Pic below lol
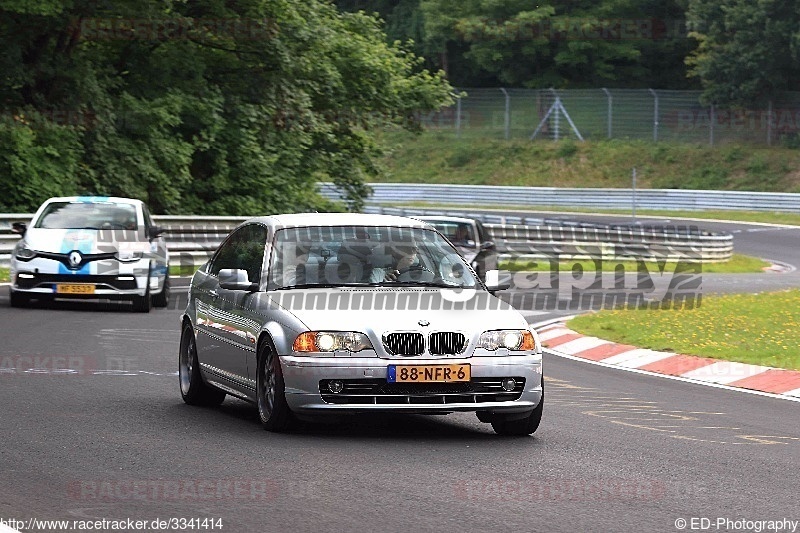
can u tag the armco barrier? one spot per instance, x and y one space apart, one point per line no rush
543 238
487 195
192 239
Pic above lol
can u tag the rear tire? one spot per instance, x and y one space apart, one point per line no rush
193 390
162 299
521 426
273 410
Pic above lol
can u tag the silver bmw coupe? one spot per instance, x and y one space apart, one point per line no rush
327 314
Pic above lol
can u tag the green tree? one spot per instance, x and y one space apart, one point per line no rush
573 43
206 107
747 51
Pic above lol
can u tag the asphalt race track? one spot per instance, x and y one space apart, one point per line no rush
99 431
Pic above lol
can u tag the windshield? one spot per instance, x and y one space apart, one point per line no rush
366 256
459 233
88 215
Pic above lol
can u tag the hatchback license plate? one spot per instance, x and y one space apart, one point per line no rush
63 288
428 373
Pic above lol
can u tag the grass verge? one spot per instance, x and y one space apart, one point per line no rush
435 157
3 274
739 264
183 270
760 329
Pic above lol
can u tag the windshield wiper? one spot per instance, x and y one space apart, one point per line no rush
318 286
439 285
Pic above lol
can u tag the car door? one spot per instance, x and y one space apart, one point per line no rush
225 334
244 319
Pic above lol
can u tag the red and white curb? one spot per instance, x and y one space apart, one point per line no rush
561 340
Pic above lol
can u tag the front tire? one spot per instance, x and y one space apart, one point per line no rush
193 390
521 426
273 410
16 299
143 304
162 299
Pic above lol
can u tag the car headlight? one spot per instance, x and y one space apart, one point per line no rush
330 341
23 253
124 256
512 339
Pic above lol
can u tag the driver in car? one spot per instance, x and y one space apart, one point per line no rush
403 258
124 220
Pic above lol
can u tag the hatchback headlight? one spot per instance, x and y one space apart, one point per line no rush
125 256
23 253
330 341
512 339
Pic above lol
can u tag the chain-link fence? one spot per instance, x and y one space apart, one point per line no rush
646 114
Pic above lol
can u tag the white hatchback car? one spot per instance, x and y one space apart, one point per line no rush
95 247
315 314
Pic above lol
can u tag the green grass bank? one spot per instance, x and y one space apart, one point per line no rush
759 329
441 158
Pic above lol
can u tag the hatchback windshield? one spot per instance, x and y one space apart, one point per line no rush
87 215
365 255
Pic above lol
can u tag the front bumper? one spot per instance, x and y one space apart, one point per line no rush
302 377
40 278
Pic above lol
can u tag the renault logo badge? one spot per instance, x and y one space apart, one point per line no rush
75 259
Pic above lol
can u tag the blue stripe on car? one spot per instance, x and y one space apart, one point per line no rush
84 246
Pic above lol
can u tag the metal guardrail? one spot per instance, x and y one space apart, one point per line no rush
192 239
543 238
488 195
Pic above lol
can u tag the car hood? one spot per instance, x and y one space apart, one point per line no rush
83 240
381 310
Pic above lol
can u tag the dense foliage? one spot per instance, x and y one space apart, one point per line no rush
739 52
748 51
208 106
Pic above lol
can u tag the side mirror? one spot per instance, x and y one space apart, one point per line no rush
19 228
487 245
494 289
493 284
155 232
234 279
